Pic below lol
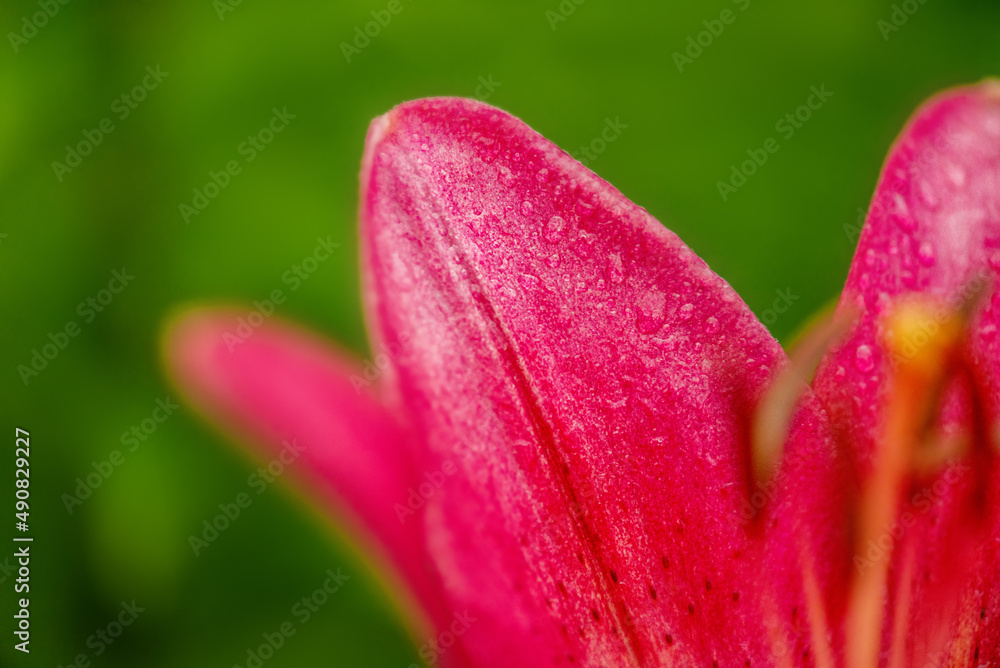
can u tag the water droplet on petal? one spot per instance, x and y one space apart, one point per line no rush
840 373
542 175
530 282
555 229
650 312
925 254
927 196
711 326
988 332
477 209
956 174
904 221
526 208
686 311
616 272
552 261
864 360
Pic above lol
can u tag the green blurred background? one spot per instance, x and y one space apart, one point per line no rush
782 231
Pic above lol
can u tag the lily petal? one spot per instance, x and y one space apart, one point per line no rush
933 229
291 394
592 381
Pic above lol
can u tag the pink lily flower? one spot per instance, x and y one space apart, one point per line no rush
575 445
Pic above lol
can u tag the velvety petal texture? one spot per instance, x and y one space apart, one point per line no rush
592 381
933 230
573 393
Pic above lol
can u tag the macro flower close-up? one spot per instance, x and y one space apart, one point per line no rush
520 334
575 445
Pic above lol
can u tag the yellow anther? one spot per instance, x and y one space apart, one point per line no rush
921 337
924 340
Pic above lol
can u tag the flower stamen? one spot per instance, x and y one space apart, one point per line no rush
916 384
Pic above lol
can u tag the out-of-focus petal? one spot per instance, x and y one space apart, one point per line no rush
297 397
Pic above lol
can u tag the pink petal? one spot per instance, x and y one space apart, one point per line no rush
934 227
283 385
593 382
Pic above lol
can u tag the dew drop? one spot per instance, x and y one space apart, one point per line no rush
925 254
552 261
988 332
477 209
863 358
905 222
650 312
542 175
530 282
616 272
840 373
956 174
711 325
927 196
555 229
526 208
686 311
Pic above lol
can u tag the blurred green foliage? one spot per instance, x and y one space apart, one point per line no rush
783 230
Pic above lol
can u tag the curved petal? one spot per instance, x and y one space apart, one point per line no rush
933 229
296 397
592 381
